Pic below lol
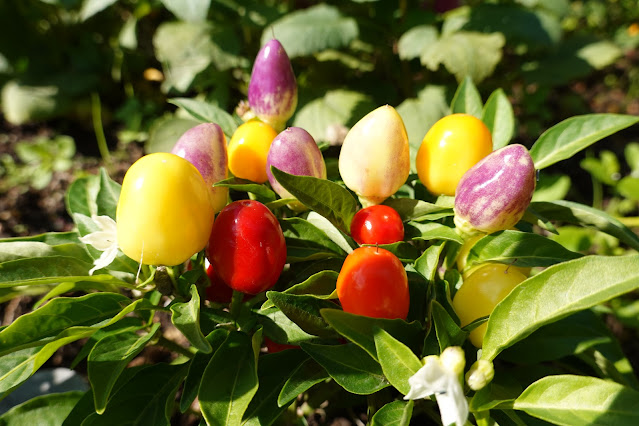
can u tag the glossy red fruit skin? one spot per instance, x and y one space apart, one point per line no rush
217 291
247 247
377 224
374 283
274 347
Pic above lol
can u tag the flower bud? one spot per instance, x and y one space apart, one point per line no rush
374 161
204 146
272 91
480 374
494 194
294 151
453 359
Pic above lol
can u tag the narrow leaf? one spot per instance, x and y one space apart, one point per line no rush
327 198
499 118
144 399
186 318
570 136
108 195
304 311
396 413
305 376
467 99
555 293
229 381
361 330
109 357
580 400
45 410
579 214
350 366
398 362
518 248
448 332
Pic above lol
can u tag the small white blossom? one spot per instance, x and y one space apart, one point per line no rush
104 240
440 377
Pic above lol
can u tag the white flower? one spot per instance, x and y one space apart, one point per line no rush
440 377
104 240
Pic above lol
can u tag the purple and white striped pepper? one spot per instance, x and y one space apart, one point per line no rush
294 151
494 194
272 91
205 147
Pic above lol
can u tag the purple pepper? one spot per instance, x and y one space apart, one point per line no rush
205 147
294 151
272 91
494 194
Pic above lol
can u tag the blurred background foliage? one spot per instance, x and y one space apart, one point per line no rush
106 73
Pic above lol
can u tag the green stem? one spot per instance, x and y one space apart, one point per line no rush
171 345
236 305
96 114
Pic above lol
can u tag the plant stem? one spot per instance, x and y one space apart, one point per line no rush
171 345
96 114
236 305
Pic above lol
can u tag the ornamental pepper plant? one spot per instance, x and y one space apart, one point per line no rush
452 300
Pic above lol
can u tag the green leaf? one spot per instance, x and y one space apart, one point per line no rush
263 193
499 118
570 136
58 315
396 413
208 45
448 332
165 132
45 410
273 371
568 336
331 231
17 367
311 30
206 112
321 285
428 262
465 54
229 382
629 188
304 311
109 357
327 198
398 362
361 330
580 400
50 238
304 241
281 329
551 187
411 209
412 42
501 392
518 248
467 99
555 293
197 366
186 318
108 195
579 214
405 251
322 117
190 11
305 376
350 366
51 270
431 231
81 195
15 250
145 400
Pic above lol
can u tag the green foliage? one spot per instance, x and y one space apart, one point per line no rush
555 358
